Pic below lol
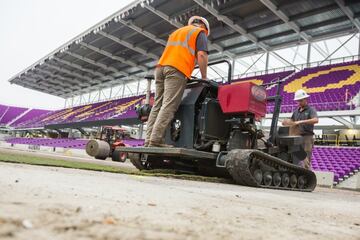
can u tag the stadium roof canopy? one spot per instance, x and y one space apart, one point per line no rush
126 45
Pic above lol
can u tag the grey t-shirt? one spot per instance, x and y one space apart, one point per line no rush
202 42
307 113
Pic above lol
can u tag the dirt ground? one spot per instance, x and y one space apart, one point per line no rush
55 203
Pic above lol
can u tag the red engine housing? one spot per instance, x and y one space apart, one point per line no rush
243 98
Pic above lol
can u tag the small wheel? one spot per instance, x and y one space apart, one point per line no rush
276 179
285 180
119 156
293 181
258 176
301 182
267 178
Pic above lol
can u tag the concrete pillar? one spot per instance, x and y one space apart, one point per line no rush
233 63
267 62
308 56
123 91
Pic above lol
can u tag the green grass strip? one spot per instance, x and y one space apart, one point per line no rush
21 158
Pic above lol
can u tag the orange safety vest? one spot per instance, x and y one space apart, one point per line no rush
180 50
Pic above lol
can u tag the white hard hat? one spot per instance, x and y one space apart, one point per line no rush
203 20
300 94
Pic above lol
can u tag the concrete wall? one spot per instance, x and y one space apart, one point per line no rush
352 182
325 179
3 136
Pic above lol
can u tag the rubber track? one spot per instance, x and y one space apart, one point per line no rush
239 163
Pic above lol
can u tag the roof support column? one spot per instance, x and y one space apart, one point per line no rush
308 54
233 62
267 62
138 87
359 46
123 90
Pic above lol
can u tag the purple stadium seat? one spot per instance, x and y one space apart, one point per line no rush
342 161
10 114
327 85
33 113
114 109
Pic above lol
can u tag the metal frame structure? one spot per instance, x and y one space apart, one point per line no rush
122 48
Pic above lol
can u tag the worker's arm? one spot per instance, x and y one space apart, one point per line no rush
287 122
202 53
307 121
202 60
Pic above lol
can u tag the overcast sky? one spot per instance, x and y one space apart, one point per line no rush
30 29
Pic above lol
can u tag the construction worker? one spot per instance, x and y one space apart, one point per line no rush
185 46
303 120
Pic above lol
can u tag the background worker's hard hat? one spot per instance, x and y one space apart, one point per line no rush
300 94
203 20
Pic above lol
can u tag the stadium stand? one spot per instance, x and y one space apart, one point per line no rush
331 87
263 79
112 109
12 116
29 115
342 161
3 109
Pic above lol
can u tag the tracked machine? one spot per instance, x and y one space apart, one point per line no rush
215 133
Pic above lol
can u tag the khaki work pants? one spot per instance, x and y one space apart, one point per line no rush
308 146
169 88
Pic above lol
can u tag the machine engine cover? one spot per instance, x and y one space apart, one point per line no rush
212 124
243 98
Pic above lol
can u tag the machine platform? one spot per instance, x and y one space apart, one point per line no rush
170 152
